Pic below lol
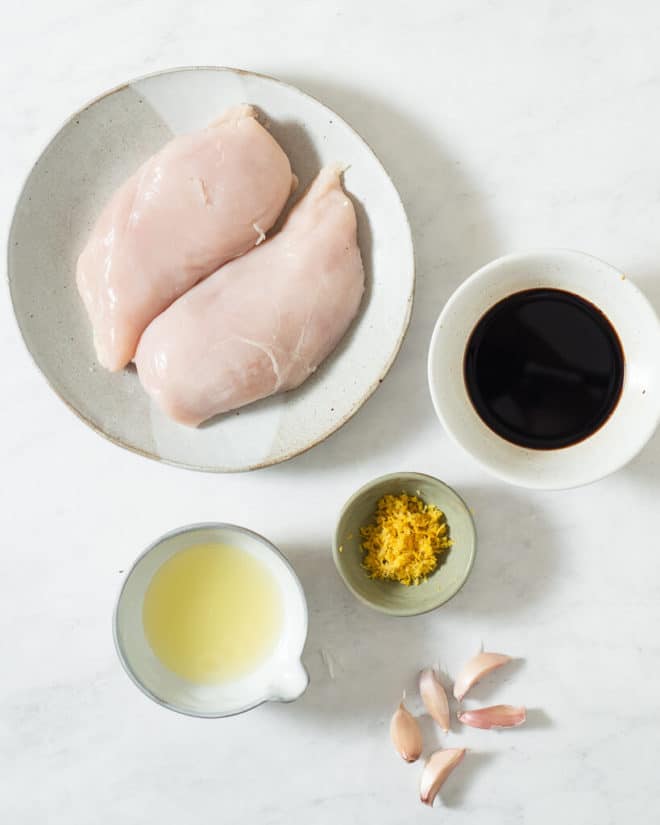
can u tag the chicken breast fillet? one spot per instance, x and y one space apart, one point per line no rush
262 323
200 201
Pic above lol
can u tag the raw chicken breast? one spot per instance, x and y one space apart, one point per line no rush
262 323
203 199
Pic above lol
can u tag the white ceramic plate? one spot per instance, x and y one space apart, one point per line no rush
90 156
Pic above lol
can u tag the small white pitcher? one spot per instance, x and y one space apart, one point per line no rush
281 677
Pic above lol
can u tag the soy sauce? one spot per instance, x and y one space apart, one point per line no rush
544 368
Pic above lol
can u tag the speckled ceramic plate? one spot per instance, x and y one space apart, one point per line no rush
88 158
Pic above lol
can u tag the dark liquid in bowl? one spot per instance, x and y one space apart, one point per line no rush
544 368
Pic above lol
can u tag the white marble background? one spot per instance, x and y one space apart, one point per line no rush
505 125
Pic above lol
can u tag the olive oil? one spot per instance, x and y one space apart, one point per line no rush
212 613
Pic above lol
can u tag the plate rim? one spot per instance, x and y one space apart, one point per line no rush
116 440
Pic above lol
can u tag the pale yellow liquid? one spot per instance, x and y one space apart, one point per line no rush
212 613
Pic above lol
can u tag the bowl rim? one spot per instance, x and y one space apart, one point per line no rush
152 454
337 558
468 286
177 531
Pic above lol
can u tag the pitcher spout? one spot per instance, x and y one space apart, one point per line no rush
290 684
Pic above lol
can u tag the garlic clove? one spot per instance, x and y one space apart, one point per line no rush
438 767
434 697
496 716
479 666
406 734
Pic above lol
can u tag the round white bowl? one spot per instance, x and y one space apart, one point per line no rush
637 412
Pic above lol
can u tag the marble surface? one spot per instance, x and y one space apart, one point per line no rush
504 126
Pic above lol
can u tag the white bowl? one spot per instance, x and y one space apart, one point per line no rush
281 677
637 412
95 150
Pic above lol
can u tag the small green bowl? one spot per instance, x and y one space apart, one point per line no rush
391 597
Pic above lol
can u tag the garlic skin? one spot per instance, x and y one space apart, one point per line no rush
438 767
434 698
479 666
496 716
406 734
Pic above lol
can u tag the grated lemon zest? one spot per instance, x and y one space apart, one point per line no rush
405 541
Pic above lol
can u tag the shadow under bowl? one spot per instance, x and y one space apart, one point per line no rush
391 597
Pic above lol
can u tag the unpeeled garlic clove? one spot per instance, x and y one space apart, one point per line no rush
434 697
405 733
438 767
496 716
479 666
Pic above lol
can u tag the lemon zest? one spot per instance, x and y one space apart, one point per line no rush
405 541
